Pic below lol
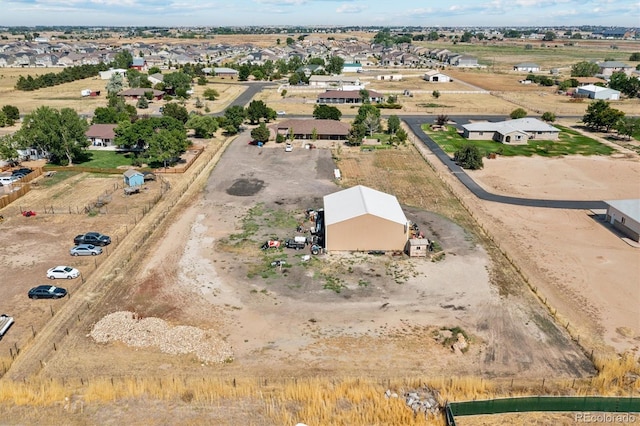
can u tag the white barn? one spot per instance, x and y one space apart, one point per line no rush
592 91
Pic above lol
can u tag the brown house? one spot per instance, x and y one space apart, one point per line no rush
101 134
304 129
140 92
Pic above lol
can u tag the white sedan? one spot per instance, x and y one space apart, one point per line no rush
63 272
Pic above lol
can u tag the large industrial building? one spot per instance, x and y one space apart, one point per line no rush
363 219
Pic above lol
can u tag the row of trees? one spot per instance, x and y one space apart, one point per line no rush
51 79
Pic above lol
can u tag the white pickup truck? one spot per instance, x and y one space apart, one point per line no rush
5 323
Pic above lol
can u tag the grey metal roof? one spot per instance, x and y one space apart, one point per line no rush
526 124
630 207
361 200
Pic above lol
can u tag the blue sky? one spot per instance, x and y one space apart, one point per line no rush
320 12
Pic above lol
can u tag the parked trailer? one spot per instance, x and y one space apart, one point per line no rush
5 323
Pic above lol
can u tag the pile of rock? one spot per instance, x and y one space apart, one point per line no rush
128 328
422 400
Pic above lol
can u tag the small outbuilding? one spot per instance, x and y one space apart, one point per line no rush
133 177
417 247
363 219
624 215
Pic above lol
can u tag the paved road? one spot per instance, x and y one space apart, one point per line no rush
415 124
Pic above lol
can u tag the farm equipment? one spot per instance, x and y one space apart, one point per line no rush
316 249
28 213
297 243
271 244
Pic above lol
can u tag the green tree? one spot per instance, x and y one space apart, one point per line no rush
468 157
393 124
628 126
211 94
548 117
138 135
176 111
133 77
294 79
630 86
549 36
584 69
234 117
4 121
435 94
402 135
177 83
142 103
518 113
364 96
123 59
115 84
334 65
203 126
433 36
202 80
154 70
284 93
466 37
261 133
12 113
635 56
600 115
357 132
60 133
165 145
256 110
9 146
290 41
326 112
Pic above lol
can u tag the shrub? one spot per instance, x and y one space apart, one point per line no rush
518 113
468 157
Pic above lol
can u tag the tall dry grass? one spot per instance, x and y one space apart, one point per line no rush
320 400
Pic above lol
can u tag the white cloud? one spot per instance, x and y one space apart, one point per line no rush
350 8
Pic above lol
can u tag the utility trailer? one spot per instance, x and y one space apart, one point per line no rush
5 323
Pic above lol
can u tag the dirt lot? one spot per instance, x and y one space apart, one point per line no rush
293 321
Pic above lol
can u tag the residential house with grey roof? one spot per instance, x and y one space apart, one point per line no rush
512 132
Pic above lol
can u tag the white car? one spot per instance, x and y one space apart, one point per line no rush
63 272
288 148
281 113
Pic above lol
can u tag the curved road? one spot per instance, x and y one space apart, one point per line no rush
415 123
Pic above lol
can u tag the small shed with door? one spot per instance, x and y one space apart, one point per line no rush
417 247
133 177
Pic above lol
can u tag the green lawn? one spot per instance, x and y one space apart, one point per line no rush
570 142
106 159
